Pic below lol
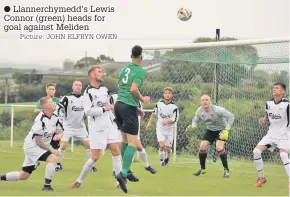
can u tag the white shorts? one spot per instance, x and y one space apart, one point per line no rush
32 155
281 143
100 139
79 134
119 136
165 135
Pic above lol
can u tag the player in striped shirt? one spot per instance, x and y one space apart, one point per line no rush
167 114
277 116
37 145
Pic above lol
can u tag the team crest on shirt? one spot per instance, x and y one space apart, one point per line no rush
102 104
75 108
275 116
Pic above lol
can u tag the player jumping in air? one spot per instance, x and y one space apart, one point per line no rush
218 122
141 150
72 106
167 114
36 145
126 111
101 131
277 116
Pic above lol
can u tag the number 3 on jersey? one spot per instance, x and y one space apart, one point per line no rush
127 72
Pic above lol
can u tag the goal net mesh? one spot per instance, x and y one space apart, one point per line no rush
239 78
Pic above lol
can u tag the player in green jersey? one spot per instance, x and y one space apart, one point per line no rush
126 111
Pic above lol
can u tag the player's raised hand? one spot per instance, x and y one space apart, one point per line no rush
191 128
261 121
146 100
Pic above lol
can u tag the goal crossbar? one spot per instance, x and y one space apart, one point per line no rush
219 44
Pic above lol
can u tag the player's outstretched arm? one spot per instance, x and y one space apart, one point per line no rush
230 118
41 144
152 117
135 91
195 121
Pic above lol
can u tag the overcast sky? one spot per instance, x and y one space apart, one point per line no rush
148 22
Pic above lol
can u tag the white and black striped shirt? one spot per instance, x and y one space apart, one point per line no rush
42 126
278 117
165 111
72 106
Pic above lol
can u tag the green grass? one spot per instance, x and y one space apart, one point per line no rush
176 179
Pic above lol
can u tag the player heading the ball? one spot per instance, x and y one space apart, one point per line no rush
126 111
218 122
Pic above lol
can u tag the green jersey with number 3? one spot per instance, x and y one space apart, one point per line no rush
129 74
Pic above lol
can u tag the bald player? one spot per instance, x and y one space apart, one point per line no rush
72 106
218 122
37 145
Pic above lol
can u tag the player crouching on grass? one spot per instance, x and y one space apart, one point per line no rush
216 130
37 145
167 114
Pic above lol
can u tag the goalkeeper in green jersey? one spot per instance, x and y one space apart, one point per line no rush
218 122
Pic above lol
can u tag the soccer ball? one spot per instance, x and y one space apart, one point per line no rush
184 14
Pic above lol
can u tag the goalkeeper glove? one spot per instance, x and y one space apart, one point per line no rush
190 127
224 134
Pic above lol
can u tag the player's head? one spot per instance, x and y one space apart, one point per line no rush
96 73
205 101
167 93
50 89
47 104
279 89
77 87
136 54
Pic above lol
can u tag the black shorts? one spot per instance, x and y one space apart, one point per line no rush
30 169
55 143
211 136
126 118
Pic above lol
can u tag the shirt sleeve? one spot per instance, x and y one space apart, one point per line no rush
59 126
227 115
175 116
196 120
37 127
62 106
89 109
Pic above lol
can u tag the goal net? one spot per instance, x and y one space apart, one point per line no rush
238 75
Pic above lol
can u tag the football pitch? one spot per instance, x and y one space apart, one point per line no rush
176 179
